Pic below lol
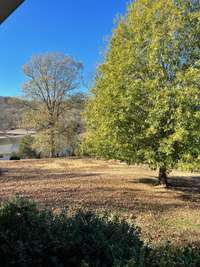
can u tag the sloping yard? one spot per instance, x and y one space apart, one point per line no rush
163 214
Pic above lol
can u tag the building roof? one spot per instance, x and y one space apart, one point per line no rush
7 7
15 133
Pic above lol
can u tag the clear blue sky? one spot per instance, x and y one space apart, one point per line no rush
77 28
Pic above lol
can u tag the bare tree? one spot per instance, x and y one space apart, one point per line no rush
52 78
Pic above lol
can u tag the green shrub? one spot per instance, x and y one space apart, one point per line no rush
26 150
30 237
171 256
14 156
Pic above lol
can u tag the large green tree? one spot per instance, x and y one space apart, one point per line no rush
145 105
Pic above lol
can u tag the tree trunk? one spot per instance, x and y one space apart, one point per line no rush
163 176
52 145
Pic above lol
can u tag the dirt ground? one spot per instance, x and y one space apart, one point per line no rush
131 191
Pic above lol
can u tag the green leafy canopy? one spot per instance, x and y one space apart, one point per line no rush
145 105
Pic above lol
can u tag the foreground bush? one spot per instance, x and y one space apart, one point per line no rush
29 237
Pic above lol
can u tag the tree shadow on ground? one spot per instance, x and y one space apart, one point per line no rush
147 180
33 174
189 186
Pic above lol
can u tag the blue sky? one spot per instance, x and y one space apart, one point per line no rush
77 28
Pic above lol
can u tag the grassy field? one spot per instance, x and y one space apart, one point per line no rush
131 191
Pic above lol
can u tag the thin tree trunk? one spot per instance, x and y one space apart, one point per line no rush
163 180
52 145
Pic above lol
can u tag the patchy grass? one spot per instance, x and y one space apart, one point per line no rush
163 214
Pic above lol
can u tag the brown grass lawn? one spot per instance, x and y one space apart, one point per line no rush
163 214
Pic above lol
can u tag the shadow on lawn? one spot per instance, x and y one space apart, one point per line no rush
148 180
189 186
25 174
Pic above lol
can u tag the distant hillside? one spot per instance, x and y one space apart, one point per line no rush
11 109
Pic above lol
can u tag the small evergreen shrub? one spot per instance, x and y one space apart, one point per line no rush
33 237
14 156
26 150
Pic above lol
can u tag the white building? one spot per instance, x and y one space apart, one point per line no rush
9 142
